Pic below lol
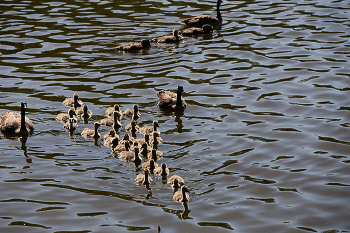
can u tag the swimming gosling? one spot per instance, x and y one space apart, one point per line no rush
135 45
112 122
71 125
73 102
109 111
143 179
182 195
150 129
132 112
131 156
132 126
84 112
169 39
207 28
162 171
16 123
91 133
64 117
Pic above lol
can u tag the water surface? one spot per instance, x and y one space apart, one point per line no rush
263 144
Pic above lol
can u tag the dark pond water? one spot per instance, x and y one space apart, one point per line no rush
263 145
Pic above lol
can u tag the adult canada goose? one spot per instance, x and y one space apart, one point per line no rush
175 181
204 19
84 112
135 45
182 195
162 171
172 101
71 125
111 142
16 123
150 129
132 112
112 122
156 155
156 139
169 39
131 156
143 179
91 133
132 126
109 111
150 165
121 147
64 117
207 28
73 102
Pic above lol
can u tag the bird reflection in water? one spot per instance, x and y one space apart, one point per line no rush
184 214
23 146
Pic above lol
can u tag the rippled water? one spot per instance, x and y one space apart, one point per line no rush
263 144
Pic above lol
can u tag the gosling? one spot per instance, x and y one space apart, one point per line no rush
91 133
143 179
73 102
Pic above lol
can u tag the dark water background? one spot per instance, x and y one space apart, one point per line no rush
263 146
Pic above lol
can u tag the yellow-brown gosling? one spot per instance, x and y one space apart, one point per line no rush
109 111
150 129
71 125
64 117
145 139
162 171
207 28
175 181
156 155
172 101
127 138
112 122
182 195
145 150
111 134
132 126
169 39
111 142
203 19
156 139
150 165
73 102
135 45
16 123
132 112
121 147
84 112
91 133
143 179
131 156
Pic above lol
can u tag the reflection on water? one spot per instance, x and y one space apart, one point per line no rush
263 143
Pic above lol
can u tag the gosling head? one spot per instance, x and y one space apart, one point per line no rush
75 97
145 43
207 28
96 125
